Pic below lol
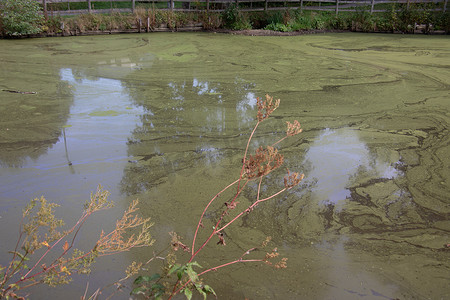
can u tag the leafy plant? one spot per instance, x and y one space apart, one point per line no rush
255 167
51 250
231 15
233 18
278 27
20 17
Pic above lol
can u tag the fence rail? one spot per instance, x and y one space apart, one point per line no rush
251 5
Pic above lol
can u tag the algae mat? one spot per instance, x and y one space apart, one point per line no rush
165 117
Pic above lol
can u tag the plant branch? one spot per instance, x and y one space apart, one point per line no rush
204 211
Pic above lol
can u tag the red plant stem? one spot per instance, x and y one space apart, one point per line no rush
24 278
204 211
245 155
259 189
217 225
239 190
280 140
249 209
73 239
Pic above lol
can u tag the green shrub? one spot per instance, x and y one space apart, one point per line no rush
303 22
442 22
275 17
364 21
231 15
233 18
278 27
20 17
319 22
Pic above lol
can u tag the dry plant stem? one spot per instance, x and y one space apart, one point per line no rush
249 209
245 154
80 223
239 190
217 225
279 141
53 265
204 211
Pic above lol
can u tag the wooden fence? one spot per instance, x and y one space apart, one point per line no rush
248 5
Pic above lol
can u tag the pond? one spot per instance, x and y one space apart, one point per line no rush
165 118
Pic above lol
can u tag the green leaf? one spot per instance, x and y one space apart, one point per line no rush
200 290
191 273
174 268
188 293
158 287
154 277
209 290
159 295
139 280
139 290
195 264
180 272
145 278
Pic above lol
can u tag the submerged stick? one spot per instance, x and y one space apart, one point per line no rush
19 92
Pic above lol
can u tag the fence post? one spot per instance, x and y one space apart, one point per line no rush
89 5
265 5
207 5
337 7
148 24
445 5
371 8
44 4
133 5
301 6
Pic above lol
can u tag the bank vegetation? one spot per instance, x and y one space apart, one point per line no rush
21 18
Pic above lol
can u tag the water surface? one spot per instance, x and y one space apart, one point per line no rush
165 118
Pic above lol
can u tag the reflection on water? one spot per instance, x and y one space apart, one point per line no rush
197 126
101 109
335 158
91 151
345 278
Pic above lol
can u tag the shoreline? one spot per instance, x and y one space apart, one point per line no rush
199 28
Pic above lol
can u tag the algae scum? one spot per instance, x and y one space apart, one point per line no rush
165 118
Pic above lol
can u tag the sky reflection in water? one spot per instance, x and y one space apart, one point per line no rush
335 157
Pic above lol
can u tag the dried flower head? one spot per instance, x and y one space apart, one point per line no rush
116 241
133 269
293 128
266 241
265 108
292 179
221 239
176 243
263 162
282 264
